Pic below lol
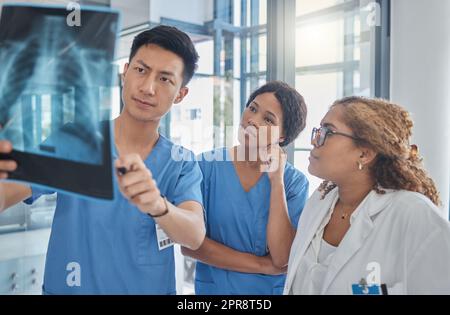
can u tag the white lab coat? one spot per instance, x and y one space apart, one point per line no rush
401 231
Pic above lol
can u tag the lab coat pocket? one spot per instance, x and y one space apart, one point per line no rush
147 247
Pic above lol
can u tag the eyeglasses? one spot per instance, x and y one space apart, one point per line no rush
321 134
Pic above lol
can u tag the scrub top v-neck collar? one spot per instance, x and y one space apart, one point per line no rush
229 160
155 147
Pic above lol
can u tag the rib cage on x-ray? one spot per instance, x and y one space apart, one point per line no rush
49 68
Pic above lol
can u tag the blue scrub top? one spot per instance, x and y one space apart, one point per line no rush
238 219
114 243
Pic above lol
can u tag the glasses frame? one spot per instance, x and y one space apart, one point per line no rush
321 134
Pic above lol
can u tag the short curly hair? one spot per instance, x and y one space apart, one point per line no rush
386 128
292 105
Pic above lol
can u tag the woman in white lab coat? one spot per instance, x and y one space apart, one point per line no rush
373 226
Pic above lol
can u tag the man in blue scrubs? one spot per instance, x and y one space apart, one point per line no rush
121 247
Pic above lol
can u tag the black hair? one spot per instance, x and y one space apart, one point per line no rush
173 40
293 107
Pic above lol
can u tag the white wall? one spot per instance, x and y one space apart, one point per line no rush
420 79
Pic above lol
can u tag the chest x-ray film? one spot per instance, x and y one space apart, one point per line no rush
56 84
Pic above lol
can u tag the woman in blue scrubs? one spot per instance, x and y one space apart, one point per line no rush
253 199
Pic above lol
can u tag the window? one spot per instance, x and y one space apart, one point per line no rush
335 53
231 40
195 114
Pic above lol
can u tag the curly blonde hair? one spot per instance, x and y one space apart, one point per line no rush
386 128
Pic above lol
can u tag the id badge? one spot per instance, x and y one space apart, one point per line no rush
163 240
364 289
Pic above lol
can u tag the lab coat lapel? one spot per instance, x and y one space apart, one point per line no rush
308 225
360 229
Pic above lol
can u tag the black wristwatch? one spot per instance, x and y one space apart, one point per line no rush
166 211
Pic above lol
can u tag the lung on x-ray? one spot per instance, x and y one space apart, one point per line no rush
56 85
